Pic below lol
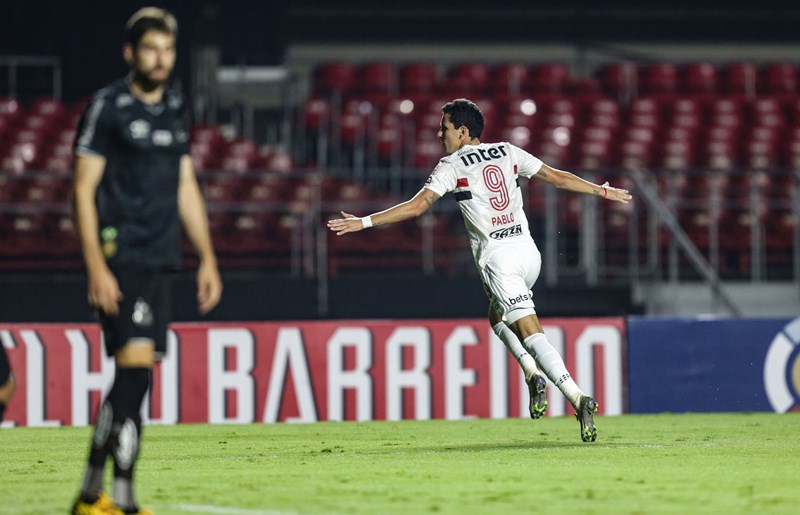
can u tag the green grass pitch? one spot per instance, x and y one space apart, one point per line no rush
721 463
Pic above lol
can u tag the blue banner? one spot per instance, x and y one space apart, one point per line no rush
715 365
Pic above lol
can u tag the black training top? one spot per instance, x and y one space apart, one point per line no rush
137 198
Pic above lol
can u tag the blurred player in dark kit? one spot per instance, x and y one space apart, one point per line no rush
134 187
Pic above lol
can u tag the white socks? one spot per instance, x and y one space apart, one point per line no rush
513 344
553 366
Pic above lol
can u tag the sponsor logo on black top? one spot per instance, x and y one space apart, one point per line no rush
140 129
507 232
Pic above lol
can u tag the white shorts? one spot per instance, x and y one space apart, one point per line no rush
508 276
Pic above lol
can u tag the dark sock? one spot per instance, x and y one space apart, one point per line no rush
134 383
122 404
105 434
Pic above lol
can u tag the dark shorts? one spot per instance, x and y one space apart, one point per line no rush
5 367
145 310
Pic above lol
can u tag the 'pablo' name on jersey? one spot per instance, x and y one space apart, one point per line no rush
483 154
503 219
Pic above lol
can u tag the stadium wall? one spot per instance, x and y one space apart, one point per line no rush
266 372
256 296
713 365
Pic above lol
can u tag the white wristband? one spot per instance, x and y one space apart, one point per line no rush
367 221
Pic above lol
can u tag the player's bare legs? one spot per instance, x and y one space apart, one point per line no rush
529 331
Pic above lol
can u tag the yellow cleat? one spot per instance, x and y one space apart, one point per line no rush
102 506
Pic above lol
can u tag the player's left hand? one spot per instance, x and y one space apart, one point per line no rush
209 287
616 194
348 223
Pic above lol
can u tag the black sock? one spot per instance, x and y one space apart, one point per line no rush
134 383
2 412
124 398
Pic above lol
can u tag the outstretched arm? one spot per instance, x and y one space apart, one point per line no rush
569 181
397 213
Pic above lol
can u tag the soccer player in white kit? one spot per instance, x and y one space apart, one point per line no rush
484 180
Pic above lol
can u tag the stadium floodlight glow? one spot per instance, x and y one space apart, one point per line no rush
528 107
561 136
406 106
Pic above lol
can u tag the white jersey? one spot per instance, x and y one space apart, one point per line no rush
484 181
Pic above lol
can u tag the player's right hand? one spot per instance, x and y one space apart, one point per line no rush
348 223
104 292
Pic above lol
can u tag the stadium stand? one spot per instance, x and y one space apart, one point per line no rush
721 139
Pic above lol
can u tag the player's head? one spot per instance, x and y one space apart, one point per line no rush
462 121
467 113
149 49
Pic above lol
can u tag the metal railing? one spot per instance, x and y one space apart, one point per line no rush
17 64
583 240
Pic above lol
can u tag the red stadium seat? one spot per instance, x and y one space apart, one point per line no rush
316 113
619 79
334 77
658 78
65 136
698 78
38 123
468 78
585 88
517 135
508 78
418 78
63 238
677 155
593 155
274 160
222 189
740 78
636 154
58 164
46 190
779 79
27 235
697 221
250 232
268 188
9 107
427 154
720 154
377 78
548 78
47 106
234 163
21 156
603 107
352 129
553 145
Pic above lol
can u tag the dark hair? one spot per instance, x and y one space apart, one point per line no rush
467 113
149 18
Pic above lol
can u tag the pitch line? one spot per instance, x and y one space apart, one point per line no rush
225 510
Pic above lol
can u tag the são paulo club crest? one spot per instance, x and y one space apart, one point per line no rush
782 369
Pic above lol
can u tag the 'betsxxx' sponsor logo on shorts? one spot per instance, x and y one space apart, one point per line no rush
519 298
507 232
